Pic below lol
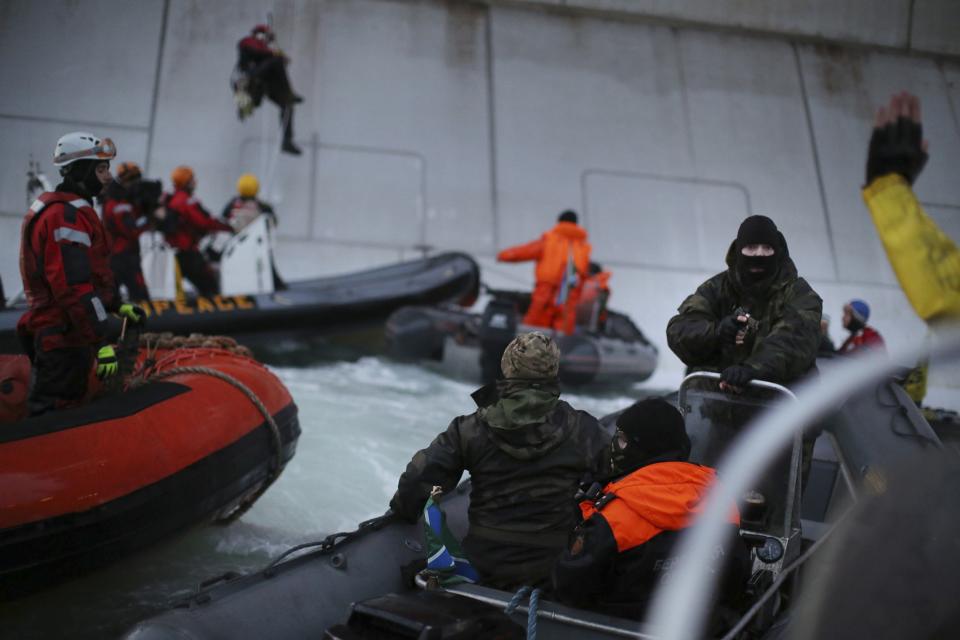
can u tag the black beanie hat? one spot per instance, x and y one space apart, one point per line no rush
656 427
568 216
758 230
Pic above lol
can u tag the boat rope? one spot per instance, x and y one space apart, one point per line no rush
518 597
277 441
331 541
149 372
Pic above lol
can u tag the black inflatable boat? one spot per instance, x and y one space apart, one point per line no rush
347 302
362 584
468 345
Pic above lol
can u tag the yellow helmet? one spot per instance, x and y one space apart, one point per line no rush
248 185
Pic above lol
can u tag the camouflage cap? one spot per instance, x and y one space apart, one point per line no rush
531 355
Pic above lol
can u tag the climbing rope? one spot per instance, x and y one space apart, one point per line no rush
152 370
531 610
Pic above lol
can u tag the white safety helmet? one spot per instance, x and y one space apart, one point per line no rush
80 145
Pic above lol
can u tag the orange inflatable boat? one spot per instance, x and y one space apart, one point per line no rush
196 435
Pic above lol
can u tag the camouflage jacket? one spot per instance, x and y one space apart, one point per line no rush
524 471
783 343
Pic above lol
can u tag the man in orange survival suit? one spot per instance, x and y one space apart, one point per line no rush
185 224
563 257
622 549
67 280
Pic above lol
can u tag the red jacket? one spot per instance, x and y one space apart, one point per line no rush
66 276
123 220
255 45
187 221
866 338
253 51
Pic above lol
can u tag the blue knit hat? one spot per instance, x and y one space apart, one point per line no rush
861 310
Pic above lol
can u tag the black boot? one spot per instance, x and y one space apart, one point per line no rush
286 118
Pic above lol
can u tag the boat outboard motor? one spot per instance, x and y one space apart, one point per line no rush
498 326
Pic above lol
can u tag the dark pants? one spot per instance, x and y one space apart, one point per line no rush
271 76
127 272
195 269
58 378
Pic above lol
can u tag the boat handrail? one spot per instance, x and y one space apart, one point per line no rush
795 454
713 375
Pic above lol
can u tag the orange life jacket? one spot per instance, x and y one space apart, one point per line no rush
659 497
552 250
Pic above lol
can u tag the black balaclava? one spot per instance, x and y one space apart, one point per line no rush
758 230
568 216
655 432
81 177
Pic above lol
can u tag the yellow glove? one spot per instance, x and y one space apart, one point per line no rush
106 362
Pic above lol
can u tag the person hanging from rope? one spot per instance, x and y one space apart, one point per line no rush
125 221
246 207
66 278
185 223
562 255
264 70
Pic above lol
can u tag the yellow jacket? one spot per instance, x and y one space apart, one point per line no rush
925 259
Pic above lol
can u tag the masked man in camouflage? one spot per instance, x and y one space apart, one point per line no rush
526 450
757 319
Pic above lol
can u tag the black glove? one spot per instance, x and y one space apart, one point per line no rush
896 148
737 375
728 328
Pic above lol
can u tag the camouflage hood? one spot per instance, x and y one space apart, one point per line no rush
518 414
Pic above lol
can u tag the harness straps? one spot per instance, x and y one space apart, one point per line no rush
603 500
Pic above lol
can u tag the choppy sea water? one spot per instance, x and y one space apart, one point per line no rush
361 421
